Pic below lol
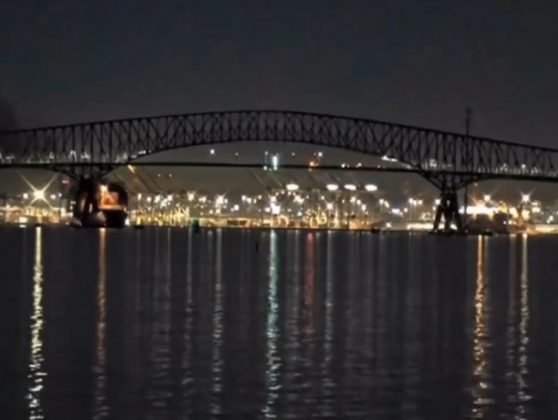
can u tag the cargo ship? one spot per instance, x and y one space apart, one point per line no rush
100 205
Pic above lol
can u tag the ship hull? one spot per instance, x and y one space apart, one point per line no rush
115 218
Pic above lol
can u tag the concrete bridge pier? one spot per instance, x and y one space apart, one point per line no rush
86 197
448 208
98 203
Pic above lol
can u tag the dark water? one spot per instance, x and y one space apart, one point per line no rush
163 324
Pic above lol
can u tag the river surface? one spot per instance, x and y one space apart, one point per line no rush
238 324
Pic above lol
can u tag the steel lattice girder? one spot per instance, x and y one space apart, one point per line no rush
109 144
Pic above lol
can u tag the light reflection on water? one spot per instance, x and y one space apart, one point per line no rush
100 407
481 371
273 361
165 323
36 360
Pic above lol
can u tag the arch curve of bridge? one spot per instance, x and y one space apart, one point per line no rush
444 158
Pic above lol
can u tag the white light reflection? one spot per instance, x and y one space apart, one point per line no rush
187 358
480 370
273 361
523 369
217 365
100 407
36 359
328 387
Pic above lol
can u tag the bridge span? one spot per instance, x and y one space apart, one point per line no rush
450 161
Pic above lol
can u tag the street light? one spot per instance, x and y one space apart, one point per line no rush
371 187
332 187
487 197
39 195
525 198
292 187
350 187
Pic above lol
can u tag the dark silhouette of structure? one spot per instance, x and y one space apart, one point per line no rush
450 161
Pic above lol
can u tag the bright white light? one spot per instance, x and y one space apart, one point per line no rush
332 187
479 209
39 195
396 211
191 196
329 206
139 196
103 188
157 198
292 187
350 187
320 154
25 196
275 208
363 207
525 198
53 196
275 162
487 197
212 152
371 187
220 200
235 207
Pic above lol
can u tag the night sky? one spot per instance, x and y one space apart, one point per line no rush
417 62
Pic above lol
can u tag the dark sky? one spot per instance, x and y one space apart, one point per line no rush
418 62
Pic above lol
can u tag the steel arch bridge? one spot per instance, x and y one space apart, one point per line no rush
448 160
444 158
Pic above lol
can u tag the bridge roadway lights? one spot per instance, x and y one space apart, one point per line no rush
449 209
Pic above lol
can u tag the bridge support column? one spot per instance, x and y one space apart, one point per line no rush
86 200
448 208
99 204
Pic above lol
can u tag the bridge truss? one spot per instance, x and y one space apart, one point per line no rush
448 160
